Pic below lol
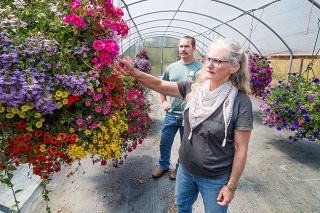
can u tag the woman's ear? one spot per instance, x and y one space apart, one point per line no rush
235 68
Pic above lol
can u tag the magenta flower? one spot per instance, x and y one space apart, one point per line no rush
103 162
98 45
98 109
79 122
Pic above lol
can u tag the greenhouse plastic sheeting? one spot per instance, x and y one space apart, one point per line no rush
270 27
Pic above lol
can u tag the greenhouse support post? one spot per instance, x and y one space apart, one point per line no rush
300 67
289 68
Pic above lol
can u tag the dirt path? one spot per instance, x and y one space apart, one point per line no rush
279 177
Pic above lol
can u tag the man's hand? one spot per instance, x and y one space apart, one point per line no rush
166 106
225 196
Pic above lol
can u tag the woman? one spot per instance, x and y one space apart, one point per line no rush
142 61
218 124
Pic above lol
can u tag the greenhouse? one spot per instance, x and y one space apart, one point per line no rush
82 129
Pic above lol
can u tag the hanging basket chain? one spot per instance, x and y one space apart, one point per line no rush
313 56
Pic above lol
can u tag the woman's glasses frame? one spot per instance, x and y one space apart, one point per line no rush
215 61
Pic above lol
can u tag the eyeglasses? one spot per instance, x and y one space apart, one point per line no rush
216 61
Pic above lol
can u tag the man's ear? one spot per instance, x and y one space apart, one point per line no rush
235 68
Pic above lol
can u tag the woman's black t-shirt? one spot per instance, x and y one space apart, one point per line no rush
203 155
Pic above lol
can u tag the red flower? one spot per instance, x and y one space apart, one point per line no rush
20 126
3 166
53 150
72 99
5 125
38 133
105 79
74 137
111 86
28 136
41 158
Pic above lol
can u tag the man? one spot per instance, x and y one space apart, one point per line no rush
182 70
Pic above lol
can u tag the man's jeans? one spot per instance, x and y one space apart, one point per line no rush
188 187
171 125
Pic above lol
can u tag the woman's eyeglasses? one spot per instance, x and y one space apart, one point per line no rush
216 61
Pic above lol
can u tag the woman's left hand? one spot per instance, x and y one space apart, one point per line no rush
225 196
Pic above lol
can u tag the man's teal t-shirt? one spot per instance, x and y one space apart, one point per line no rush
176 72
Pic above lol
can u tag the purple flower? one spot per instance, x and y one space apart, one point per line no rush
311 97
306 118
303 111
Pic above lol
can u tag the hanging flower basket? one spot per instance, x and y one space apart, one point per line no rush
295 107
260 73
61 97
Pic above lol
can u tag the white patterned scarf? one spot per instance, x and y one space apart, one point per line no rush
204 103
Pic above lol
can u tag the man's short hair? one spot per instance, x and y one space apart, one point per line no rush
193 41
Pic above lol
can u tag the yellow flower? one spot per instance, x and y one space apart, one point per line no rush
60 105
99 89
42 148
15 111
71 130
77 151
22 115
9 115
91 89
65 101
65 94
58 98
87 132
2 109
37 115
24 108
39 124
58 93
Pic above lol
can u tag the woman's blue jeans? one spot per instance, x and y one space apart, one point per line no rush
188 188
171 125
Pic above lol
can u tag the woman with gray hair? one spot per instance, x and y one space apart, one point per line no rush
218 123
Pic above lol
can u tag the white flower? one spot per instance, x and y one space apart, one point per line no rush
19 4
53 8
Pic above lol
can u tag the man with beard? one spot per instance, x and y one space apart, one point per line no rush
182 70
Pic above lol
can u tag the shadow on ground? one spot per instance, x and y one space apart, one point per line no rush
131 188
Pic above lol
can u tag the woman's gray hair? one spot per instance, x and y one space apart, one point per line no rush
236 55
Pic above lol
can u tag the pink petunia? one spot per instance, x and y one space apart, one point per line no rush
87 103
98 109
79 122
136 112
98 45
131 128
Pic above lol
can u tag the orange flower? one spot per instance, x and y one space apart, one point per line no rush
28 136
74 137
53 150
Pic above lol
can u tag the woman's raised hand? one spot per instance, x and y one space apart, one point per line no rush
125 66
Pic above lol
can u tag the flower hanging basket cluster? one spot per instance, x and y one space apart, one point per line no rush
61 97
260 73
294 106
